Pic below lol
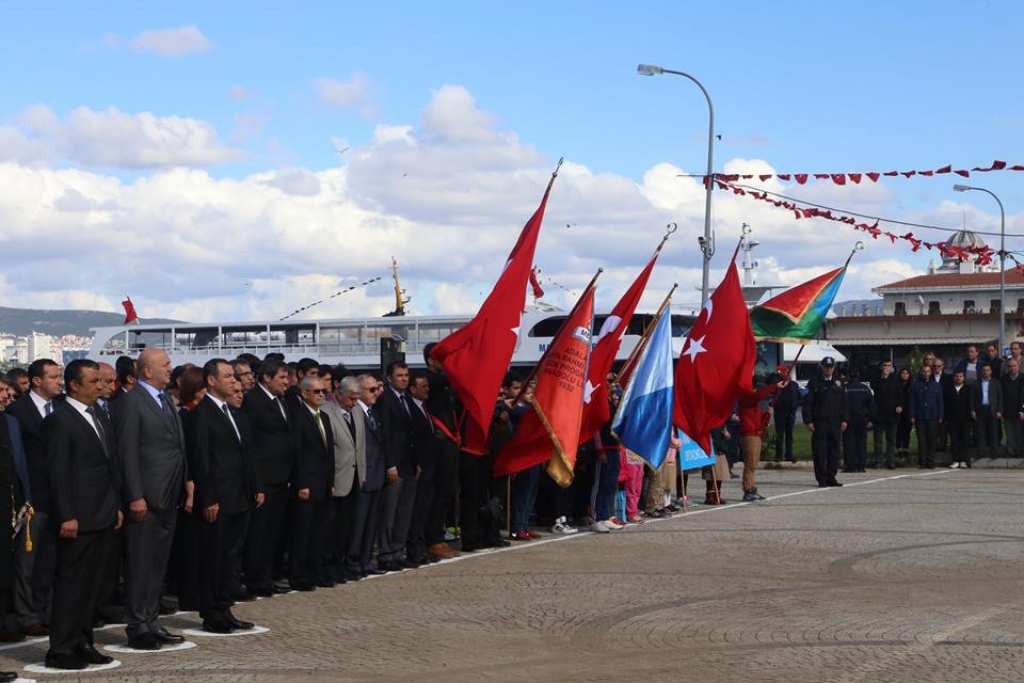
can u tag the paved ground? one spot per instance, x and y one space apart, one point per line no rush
906 576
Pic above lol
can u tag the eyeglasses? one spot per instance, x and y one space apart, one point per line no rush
317 391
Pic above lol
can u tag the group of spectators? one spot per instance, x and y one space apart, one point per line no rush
974 410
139 489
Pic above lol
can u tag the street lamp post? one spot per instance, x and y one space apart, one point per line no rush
707 243
1002 259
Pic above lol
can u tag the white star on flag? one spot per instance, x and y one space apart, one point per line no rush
696 346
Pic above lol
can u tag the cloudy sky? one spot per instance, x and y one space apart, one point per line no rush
241 162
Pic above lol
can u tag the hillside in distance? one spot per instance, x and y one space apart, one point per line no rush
24 321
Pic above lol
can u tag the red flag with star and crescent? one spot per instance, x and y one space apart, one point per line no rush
129 310
717 362
596 409
476 356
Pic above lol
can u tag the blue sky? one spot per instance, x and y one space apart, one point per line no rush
804 87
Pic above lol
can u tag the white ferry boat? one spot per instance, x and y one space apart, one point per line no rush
359 343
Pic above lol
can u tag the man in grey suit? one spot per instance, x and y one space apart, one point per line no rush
151 450
349 459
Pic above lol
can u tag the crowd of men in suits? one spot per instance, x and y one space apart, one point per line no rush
218 484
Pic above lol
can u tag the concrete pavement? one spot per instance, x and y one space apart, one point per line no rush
898 576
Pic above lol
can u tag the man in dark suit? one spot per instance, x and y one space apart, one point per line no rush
270 451
395 415
305 366
14 485
426 445
349 460
312 479
988 410
151 453
33 576
224 486
957 408
441 405
84 481
371 481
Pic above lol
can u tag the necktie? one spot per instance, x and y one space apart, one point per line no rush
350 424
372 419
320 426
280 406
91 410
227 413
165 405
48 408
405 404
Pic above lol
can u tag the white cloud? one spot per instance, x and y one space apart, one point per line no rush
355 92
112 138
172 42
447 198
239 93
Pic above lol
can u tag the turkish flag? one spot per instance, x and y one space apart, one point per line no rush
717 362
129 310
550 431
596 410
538 292
476 356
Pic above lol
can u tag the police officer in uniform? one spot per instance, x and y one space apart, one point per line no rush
825 414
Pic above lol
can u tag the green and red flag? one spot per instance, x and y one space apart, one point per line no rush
796 315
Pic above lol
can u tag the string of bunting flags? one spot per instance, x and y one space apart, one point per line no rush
336 294
984 255
873 176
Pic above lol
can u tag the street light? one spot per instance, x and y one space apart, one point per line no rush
1002 258
707 243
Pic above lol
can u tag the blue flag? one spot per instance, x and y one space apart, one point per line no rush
643 422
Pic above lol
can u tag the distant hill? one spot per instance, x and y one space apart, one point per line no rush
23 321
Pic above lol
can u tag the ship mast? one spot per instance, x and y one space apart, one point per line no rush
400 299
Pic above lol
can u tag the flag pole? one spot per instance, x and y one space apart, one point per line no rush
635 354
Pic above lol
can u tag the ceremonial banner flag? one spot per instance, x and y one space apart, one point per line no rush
476 356
129 310
796 314
596 409
643 421
716 364
549 431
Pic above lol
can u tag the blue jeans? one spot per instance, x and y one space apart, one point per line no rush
524 495
606 483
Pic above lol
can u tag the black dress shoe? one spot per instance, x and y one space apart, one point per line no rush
8 676
89 655
326 583
835 483
353 576
145 641
61 661
263 592
303 586
239 625
217 627
165 636
280 588
374 572
406 564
